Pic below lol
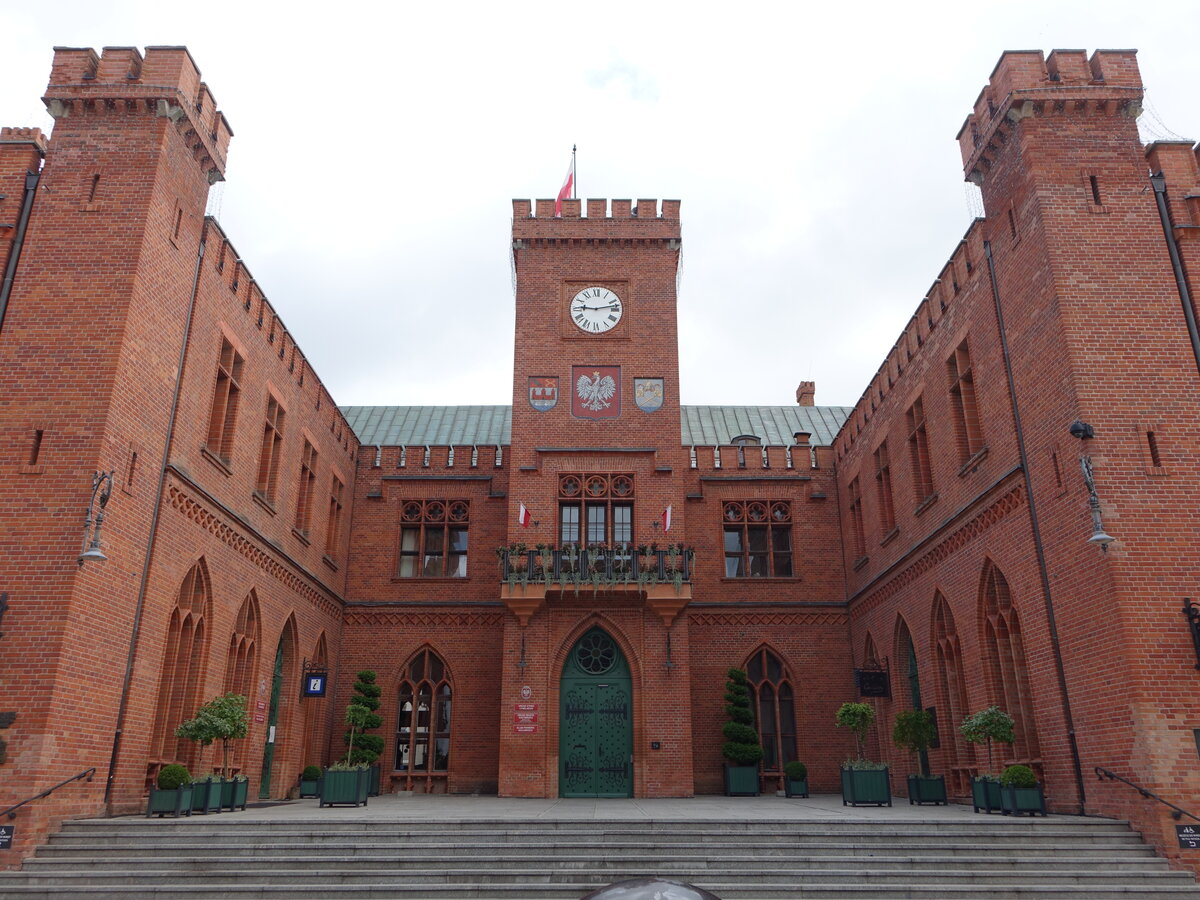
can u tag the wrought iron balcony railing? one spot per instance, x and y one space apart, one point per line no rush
575 566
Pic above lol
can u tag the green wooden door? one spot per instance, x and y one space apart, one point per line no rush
595 748
264 784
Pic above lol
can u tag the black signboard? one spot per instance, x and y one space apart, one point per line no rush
314 683
1189 836
872 683
6 836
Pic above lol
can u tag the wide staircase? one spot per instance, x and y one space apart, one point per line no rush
737 860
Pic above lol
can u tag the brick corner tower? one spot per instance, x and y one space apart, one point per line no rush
99 281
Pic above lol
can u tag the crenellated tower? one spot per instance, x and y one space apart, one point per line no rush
1095 317
90 353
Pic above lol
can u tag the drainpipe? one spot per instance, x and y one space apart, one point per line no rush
1039 549
139 607
14 253
1159 182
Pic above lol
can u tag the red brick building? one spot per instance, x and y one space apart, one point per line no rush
551 592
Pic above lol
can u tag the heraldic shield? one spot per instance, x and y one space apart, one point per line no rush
596 392
648 393
543 393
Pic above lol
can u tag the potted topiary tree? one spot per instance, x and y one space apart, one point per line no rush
367 748
984 727
310 782
346 782
914 732
1021 792
741 748
221 719
173 794
795 783
863 781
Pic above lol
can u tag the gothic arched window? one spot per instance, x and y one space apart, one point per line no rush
182 671
423 723
1004 658
774 708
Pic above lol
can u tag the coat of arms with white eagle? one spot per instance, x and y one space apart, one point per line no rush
595 393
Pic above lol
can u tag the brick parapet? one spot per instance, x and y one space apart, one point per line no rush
164 83
627 221
1026 83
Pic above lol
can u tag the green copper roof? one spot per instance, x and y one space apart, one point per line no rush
390 426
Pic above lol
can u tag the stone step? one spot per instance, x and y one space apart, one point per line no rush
728 890
598 871
255 848
644 861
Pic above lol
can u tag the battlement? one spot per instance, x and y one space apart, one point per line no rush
537 219
165 82
32 136
1026 83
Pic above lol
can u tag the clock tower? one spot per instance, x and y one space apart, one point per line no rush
596 460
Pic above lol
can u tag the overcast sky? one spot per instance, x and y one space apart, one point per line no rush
378 147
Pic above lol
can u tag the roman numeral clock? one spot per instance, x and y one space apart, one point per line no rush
596 310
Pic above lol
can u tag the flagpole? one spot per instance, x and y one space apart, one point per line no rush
574 176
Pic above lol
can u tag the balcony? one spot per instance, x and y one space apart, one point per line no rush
662 576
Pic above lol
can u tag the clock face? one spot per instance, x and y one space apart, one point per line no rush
596 310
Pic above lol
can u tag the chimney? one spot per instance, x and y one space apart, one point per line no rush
805 393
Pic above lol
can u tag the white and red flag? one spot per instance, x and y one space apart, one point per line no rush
523 516
666 519
567 191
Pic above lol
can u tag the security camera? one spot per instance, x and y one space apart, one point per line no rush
1082 430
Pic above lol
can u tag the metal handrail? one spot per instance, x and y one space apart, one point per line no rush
1177 812
86 774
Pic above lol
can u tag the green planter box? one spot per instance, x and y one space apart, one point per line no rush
985 795
310 788
866 787
1018 800
923 789
175 803
741 781
233 793
373 780
795 788
344 787
206 796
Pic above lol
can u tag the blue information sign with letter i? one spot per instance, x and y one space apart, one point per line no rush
314 684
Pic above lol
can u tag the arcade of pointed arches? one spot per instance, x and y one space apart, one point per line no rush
1005 677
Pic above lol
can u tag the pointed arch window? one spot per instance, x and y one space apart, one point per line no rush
423 723
952 692
241 661
774 702
1004 660
182 672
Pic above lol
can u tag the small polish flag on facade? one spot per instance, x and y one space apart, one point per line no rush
523 516
568 188
666 519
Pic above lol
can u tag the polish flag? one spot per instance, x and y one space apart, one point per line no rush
666 519
566 191
523 516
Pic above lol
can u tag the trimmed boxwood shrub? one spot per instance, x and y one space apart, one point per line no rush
796 771
1019 776
310 773
173 776
741 745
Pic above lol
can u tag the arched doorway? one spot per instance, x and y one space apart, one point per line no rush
595 750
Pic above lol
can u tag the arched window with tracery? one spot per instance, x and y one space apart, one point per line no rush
240 663
952 695
774 702
423 724
1004 659
182 672
243 649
